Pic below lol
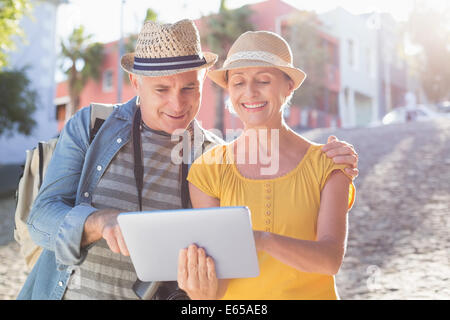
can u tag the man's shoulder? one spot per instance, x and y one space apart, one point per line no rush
123 111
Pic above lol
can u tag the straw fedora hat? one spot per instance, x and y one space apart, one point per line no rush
167 49
258 49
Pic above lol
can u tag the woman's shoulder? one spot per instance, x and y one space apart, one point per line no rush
319 163
315 151
215 155
312 150
314 157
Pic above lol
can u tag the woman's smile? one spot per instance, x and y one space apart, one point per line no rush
254 106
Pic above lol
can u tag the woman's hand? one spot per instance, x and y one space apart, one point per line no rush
260 239
197 274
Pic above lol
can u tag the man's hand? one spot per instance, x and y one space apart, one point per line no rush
197 274
342 153
103 224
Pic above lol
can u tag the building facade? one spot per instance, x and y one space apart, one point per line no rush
322 111
358 95
37 53
392 69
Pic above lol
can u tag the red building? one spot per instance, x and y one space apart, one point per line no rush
267 15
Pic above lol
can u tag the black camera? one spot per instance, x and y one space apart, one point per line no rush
155 290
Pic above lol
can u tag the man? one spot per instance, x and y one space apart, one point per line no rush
127 167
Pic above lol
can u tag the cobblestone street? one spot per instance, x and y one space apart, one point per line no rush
399 240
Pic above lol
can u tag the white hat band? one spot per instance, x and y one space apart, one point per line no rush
257 55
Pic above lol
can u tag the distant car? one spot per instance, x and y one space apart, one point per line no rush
444 107
406 114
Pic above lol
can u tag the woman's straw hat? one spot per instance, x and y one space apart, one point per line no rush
167 49
259 49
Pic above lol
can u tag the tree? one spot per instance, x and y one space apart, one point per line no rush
11 12
309 54
429 30
17 103
151 15
220 31
84 61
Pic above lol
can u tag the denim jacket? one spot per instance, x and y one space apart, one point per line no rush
63 204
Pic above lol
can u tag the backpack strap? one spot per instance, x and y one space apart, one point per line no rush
97 125
41 163
99 113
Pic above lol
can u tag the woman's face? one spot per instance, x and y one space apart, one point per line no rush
257 95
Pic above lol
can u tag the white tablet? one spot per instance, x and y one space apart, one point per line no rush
154 239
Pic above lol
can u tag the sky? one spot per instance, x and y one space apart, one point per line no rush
102 17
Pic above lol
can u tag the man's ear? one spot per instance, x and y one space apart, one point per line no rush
134 80
204 76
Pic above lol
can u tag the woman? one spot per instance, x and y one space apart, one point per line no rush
299 202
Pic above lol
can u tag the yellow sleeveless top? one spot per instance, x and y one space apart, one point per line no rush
286 205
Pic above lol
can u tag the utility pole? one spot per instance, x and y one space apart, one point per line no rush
119 68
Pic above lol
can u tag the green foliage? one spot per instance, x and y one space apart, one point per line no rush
83 59
17 103
430 30
11 11
130 43
309 54
151 15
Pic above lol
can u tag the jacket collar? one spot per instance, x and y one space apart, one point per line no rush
126 110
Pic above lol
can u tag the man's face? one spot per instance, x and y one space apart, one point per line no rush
171 102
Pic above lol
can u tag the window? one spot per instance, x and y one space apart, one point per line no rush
332 73
351 57
107 81
371 63
347 97
352 54
60 114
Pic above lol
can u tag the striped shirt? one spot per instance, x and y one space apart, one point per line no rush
105 274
